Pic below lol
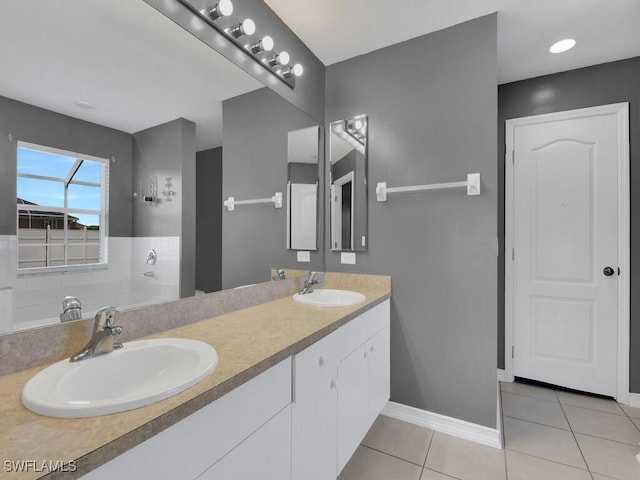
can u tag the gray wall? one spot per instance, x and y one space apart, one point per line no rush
44 127
169 150
209 220
308 94
432 106
598 85
254 135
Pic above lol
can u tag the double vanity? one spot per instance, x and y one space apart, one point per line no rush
294 391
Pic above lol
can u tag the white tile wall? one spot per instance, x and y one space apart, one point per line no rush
37 297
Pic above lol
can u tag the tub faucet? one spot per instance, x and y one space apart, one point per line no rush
309 282
103 337
71 309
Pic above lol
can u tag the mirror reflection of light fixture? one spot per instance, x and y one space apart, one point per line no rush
223 8
296 70
264 45
246 27
281 58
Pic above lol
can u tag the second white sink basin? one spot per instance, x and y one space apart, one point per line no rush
327 297
140 373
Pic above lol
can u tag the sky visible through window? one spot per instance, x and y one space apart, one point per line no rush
51 193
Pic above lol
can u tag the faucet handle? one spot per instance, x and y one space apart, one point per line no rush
104 317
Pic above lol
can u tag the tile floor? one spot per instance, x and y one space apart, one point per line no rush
549 435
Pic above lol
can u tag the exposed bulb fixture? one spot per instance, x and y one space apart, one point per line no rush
281 58
223 8
296 70
264 45
562 45
246 27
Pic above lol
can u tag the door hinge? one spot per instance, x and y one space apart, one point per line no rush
513 352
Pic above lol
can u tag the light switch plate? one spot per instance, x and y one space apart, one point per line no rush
348 258
304 256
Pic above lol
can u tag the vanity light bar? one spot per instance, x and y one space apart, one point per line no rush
276 63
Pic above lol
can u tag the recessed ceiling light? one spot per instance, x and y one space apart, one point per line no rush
562 45
83 104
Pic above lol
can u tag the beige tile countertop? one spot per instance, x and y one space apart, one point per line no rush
248 342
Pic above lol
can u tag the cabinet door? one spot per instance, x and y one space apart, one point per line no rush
379 373
353 403
315 411
265 455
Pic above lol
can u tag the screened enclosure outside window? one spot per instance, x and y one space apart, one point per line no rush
62 208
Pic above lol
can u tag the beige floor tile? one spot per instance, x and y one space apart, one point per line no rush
368 464
526 467
464 459
433 475
594 403
597 476
400 439
636 421
533 409
602 424
610 458
631 411
542 441
529 390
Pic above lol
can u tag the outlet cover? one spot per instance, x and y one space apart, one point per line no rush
304 256
348 258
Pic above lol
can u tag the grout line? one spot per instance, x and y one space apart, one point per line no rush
577 444
433 434
390 455
529 396
586 469
445 474
541 424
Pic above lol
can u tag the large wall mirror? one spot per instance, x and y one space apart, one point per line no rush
118 81
348 190
302 188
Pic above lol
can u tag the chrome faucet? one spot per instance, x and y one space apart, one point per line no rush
71 309
103 337
309 282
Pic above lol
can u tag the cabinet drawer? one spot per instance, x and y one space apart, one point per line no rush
192 445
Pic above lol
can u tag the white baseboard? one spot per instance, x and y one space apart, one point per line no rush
441 423
501 375
634 400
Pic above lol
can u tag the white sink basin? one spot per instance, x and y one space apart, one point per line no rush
140 373
326 297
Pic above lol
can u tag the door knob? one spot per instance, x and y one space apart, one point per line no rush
608 271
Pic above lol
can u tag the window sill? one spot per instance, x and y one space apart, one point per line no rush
62 269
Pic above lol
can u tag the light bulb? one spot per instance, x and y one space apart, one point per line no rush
283 58
246 27
223 8
267 43
298 70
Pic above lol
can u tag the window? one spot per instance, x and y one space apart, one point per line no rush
62 208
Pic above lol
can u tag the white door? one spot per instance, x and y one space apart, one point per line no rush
565 257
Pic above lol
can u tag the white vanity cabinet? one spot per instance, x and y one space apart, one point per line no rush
341 384
300 420
232 431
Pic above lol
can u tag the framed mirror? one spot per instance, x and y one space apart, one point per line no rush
302 188
348 184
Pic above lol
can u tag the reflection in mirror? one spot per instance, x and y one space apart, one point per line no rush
302 188
348 177
111 89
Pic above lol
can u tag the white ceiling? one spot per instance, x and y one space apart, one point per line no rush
140 69
606 30
136 66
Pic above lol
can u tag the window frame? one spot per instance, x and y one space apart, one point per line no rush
103 213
